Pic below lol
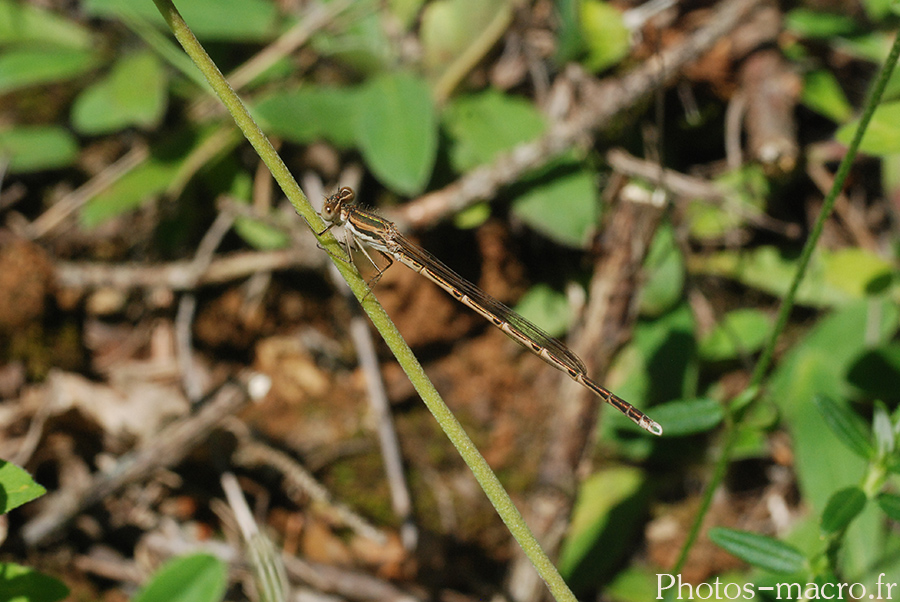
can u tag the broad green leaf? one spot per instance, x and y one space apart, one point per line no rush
225 20
450 27
770 270
848 427
688 416
561 203
656 364
857 271
547 308
22 584
311 113
486 124
813 24
842 508
603 31
883 134
196 578
879 10
607 514
890 505
739 333
396 127
25 22
116 102
363 44
260 235
823 94
36 148
764 552
16 487
22 67
664 268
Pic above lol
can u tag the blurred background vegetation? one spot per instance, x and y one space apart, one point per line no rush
147 261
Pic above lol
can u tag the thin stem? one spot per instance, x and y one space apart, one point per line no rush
454 431
762 366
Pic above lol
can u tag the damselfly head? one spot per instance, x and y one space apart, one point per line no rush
332 209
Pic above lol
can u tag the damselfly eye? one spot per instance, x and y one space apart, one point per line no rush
346 194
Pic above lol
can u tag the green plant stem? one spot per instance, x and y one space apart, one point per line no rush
451 427
762 366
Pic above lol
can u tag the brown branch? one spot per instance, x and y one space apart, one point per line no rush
691 187
181 275
772 90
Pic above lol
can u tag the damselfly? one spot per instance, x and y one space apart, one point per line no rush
380 234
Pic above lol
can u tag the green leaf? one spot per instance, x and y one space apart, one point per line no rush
116 102
561 203
823 94
450 27
547 308
664 268
396 127
260 235
771 270
196 578
472 216
310 114
36 148
849 427
169 163
890 505
813 24
486 124
23 22
607 514
740 333
141 184
842 508
688 416
22 67
16 487
857 272
363 43
882 137
225 20
22 584
569 41
656 363
603 31
764 552
879 10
